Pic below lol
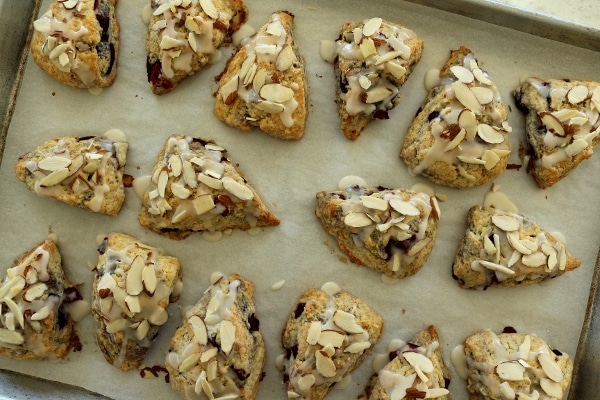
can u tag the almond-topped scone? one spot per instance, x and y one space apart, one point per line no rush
389 230
460 136
372 59
507 249
76 42
513 366
562 125
416 370
195 187
86 172
34 321
264 83
183 35
133 285
327 336
219 352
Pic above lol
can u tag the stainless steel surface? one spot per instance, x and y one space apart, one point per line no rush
15 19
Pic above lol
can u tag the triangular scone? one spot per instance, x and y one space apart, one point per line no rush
514 366
327 336
373 58
184 35
506 249
389 230
76 42
195 187
460 136
416 370
264 83
562 125
133 285
219 352
85 172
34 323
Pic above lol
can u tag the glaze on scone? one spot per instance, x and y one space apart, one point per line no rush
195 187
416 369
184 35
264 84
34 322
506 249
460 136
372 59
389 230
327 336
76 42
219 352
562 125
133 285
86 172
514 366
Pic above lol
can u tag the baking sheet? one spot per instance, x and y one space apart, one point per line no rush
288 174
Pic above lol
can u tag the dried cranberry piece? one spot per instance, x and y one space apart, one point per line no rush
155 77
433 115
509 329
381 114
299 310
103 245
254 323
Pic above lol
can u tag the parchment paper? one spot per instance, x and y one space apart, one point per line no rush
288 174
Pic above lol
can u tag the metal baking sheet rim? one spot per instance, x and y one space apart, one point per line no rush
587 359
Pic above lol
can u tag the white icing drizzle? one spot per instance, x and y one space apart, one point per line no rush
177 46
28 297
319 366
83 173
385 56
569 131
397 215
267 50
131 295
533 363
471 129
213 338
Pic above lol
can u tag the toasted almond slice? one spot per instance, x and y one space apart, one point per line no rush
489 134
372 26
515 241
203 204
357 220
14 308
314 331
367 48
596 98
276 93
552 389
510 371
189 362
481 76
377 94
418 360
390 55
270 107
484 95
55 177
552 124
142 330
133 304
417 247
230 87
259 80
54 163
11 337
489 246
325 365
577 94
395 69
149 279
347 322
331 337
462 74
357 347
468 121
376 203
550 367
275 28
227 334
471 160
34 291
209 354
306 382
404 207
237 189
134 276
246 65
565 114
466 97
507 223
180 191
285 58
496 267
577 146
199 329
209 8
490 158
536 259
462 134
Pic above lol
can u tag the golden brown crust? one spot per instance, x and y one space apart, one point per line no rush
94 180
549 163
316 311
488 355
192 36
547 258
427 343
354 113
222 200
129 318
239 368
46 338
395 249
91 39
237 107
432 146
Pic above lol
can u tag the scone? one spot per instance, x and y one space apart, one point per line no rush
562 125
195 187
76 42
264 83
133 285
506 249
86 172
460 136
219 352
416 369
389 230
372 60
34 322
515 366
184 35
327 336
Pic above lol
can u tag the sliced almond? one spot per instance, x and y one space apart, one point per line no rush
576 147
462 134
466 97
377 94
314 331
238 189
490 159
481 76
13 287
134 276
325 365
462 74
550 367
364 82
180 191
11 337
259 79
14 308
209 354
565 114
227 334
405 207
133 304
484 95
55 177
596 98
306 382
515 241
142 330
331 337
471 160
285 58
496 267
34 291
189 174
270 107
199 329
189 362
347 322
357 220
417 247
489 134
375 203
230 87
507 223
552 389
357 347
536 259
577 94
510 371
468 121
372 26
397 70
276 93
390 55
367 48
418 360
159 317
54 163
209 8
552 123
149 279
